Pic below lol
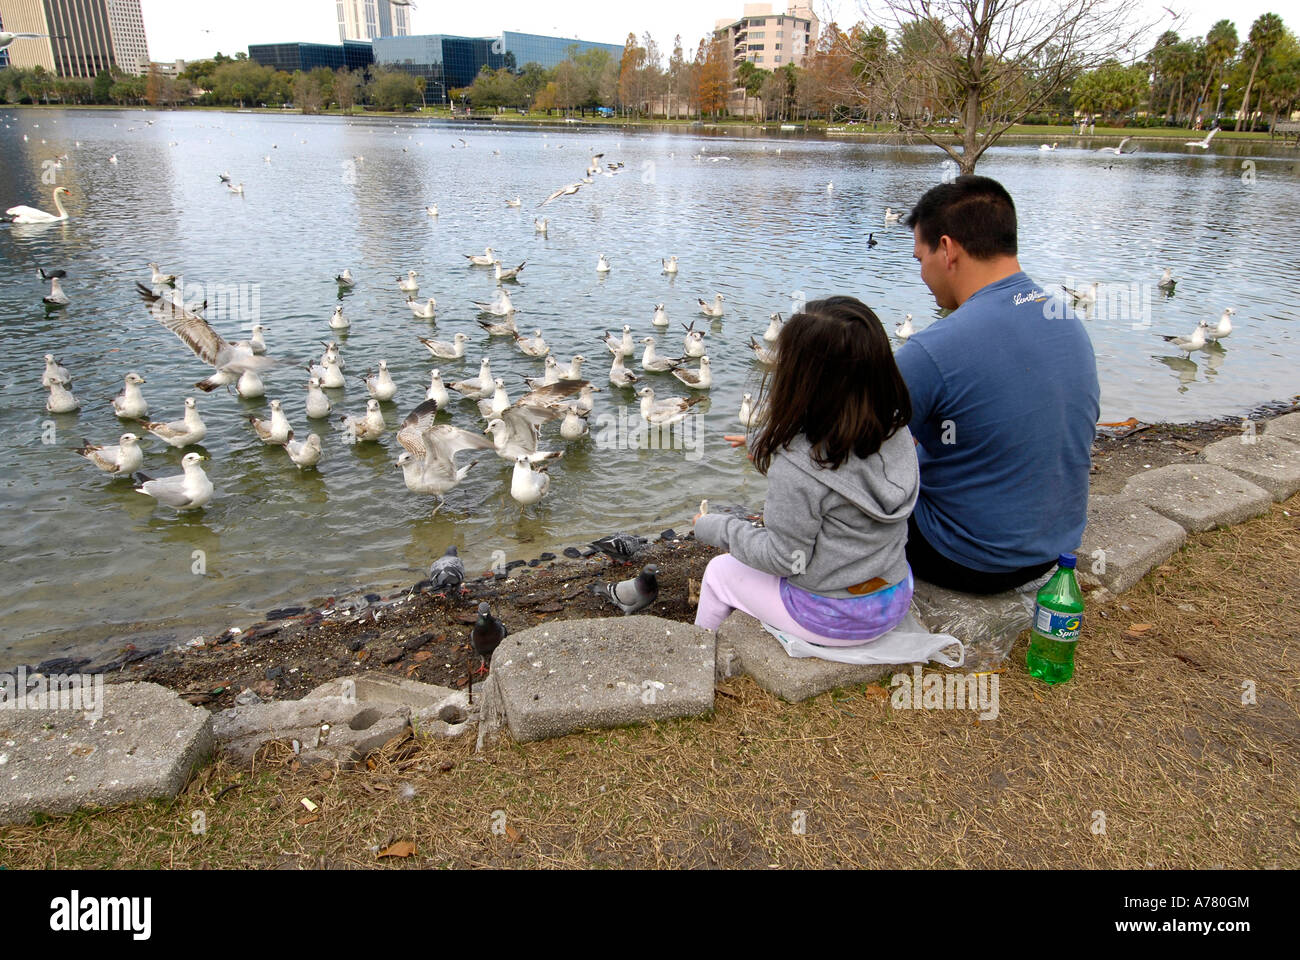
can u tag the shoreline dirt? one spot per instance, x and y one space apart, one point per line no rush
424 636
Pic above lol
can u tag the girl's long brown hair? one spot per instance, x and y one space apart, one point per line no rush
835 381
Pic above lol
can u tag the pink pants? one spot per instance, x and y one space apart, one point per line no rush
730 585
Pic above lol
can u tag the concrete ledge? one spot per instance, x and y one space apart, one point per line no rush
1284 428
144 746
355 728
988 625
435 711
1199 496
791 678
561 677
1132 539
1270 462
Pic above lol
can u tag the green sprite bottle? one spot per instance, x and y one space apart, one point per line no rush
1055 631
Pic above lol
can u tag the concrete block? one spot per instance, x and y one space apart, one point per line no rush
556 678
1198 496
986 624
436 711
1270 462
790 678
355 728
1284 428
144 745
1132 539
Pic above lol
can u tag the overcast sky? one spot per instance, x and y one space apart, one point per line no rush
194 29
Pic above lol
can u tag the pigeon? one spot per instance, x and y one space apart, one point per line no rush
487 634
448 571
621 547
633 595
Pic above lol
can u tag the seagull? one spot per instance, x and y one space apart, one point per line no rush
660 318
513 203
533 346
61 274
381 385
621 547
224 177
1195 341
423 311
124 458
565 191
551 396
442 350
891 216
61 399
830 186
428 465
180 433
497 404
236 189
484 259
748 416
1167 282
1203 144
318 405
527 485
337 320
701 379
574 370
408 284
25 214
667 411
305 453
651 362
257 342
159 278
541 226
515 433
1118 151
437 391
447 572
773 331
56 296
1222 327
130 404
477 388
329 373
669 265
499 307
633 595
369 426
549 376
7 38
694 342
1086 296
276 430
190 490
602 263
113 158
714 309
905 330
574 426
619 375
487 635
250 386
762 354
511 274
55 373
344 279
432 210
621 346
228 360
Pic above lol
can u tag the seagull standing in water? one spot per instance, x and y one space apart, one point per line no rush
428 465
1222 327
1195 341
190 490
304 453
527 485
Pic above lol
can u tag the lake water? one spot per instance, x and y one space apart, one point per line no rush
88 563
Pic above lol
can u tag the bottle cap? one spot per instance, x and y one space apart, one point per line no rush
1066 560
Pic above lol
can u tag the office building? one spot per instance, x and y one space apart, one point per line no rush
88 36
550 51
350 54
4 54
371 19
770 40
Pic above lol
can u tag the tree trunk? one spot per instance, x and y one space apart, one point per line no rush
1245 101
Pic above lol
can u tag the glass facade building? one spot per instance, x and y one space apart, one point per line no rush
352 54
550 51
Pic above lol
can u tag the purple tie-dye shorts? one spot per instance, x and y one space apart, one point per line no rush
857 619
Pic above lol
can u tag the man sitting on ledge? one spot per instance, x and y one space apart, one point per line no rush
1005 402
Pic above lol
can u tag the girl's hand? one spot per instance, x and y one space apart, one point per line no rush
735 439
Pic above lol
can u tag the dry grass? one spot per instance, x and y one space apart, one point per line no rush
1151 732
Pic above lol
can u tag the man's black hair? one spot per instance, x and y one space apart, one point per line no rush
975 211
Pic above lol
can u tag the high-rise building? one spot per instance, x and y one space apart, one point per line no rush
770 40
4 54
88 36
371 19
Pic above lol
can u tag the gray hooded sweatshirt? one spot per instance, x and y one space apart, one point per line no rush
827 530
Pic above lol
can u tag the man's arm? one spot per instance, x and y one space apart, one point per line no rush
924 384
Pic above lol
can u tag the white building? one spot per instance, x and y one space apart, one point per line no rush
369 19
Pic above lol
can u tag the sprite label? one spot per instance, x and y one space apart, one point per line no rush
1059 626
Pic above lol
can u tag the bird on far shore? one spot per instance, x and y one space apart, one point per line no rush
632 595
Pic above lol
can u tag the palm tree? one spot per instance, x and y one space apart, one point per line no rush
1220 47
1265 32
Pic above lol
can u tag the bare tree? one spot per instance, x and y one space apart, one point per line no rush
988 63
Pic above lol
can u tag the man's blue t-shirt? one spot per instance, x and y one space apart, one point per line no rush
1004 405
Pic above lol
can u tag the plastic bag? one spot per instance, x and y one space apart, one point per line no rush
909 642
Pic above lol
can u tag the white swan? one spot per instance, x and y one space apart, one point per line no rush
1043 146
25 214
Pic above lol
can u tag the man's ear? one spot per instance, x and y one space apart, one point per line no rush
951 250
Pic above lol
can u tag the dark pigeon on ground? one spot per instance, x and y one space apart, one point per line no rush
487 634
447 572
632 595
622 547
